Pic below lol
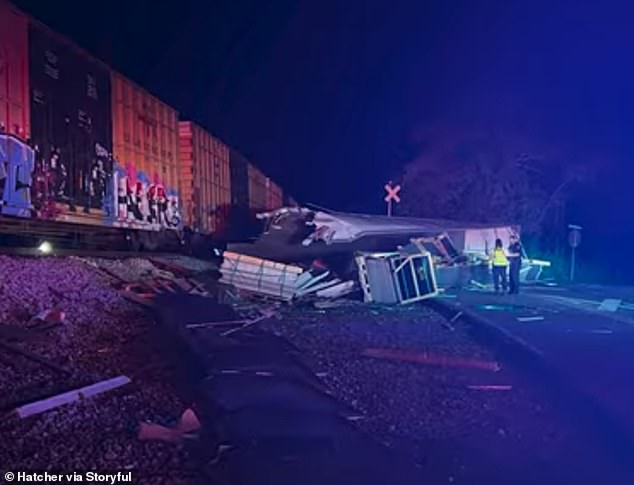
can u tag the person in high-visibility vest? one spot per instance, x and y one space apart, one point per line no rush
499 266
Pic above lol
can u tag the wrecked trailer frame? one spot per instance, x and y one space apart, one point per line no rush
396 277
459 250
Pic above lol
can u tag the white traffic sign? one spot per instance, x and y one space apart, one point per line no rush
574 238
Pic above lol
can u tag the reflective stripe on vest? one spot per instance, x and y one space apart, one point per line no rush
499 258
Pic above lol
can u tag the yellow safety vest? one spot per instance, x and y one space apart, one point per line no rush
499 258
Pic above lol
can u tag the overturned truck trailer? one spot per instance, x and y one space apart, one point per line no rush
459 250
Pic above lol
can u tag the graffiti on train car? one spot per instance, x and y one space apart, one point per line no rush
143 203
17 162
36 184
79 196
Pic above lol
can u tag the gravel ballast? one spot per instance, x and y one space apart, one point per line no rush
101 336
431 412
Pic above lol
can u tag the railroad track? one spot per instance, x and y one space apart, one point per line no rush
95 253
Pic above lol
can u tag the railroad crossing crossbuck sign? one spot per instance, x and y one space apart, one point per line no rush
392 195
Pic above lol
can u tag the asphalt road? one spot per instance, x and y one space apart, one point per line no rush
584 340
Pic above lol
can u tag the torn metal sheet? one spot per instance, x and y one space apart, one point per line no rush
490 387
305 228
530 319
610 305
279 280
337 290
396 278
318 287
532 270
440 247
261 276
311 280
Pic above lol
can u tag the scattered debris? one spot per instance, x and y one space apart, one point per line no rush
217 324
456 316
458 250
610 305
102 336
338 290
530 319
157 432
53 315
34 357
430 358
264 315
330 304
187 424
500 308
532 270
220 452
490 387
71 396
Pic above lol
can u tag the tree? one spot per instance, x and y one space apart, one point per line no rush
486 176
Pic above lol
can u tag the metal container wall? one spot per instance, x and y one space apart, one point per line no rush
274 195
145 147
70 130
14 72
257 188
239 179
205 179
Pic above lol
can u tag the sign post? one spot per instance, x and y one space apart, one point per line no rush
392 195
574 239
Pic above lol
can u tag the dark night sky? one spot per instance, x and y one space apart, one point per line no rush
326 95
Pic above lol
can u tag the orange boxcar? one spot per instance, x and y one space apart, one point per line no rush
205 179
145 148
257 188
14 72
274 196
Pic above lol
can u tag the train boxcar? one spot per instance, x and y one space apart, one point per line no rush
257 188
71 131
274 195
239 179
206 179
14 73
147 173
85 152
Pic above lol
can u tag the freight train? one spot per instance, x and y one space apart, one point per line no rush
89 156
